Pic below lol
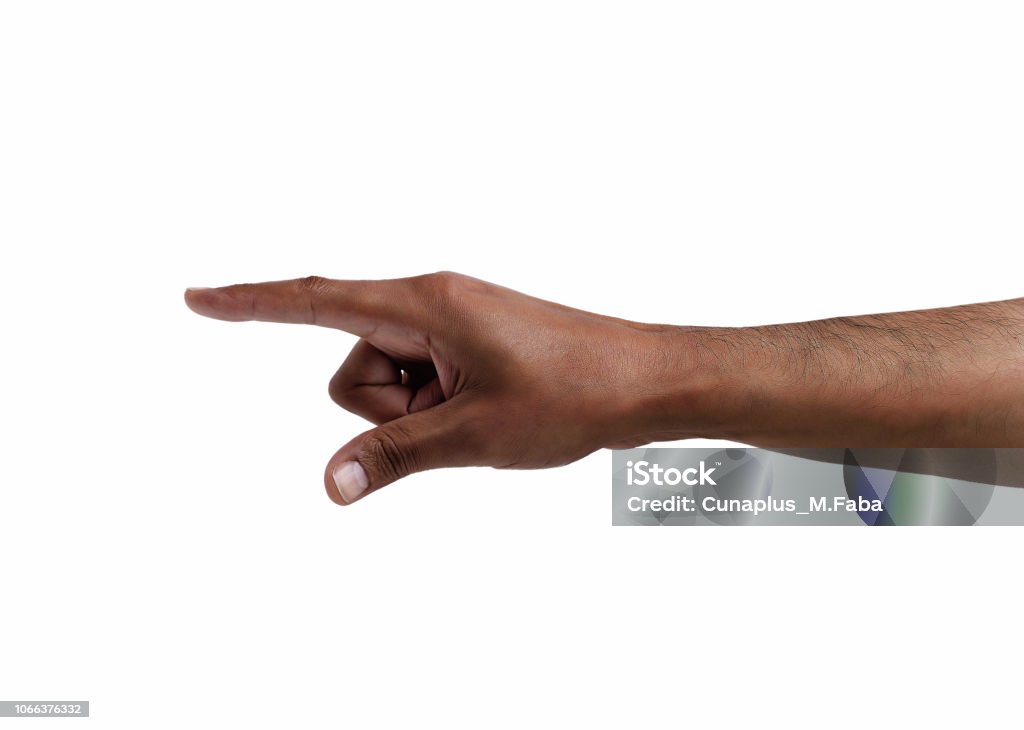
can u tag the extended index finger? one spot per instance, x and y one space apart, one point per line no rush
356 306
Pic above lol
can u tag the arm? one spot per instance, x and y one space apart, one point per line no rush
941 377
458 372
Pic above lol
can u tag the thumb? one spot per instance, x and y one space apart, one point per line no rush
444 435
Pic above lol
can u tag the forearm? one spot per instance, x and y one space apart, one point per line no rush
944 377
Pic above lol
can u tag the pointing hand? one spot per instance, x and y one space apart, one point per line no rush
457 372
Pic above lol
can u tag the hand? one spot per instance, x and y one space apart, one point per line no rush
459 372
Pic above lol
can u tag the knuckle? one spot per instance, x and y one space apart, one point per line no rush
448 294
341 392
446 284
314 289
314 284
388 453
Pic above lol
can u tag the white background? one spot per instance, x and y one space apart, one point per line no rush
164 533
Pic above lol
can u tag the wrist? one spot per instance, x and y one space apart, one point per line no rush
684 383
730 383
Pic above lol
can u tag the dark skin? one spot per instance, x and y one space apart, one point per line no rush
459 372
